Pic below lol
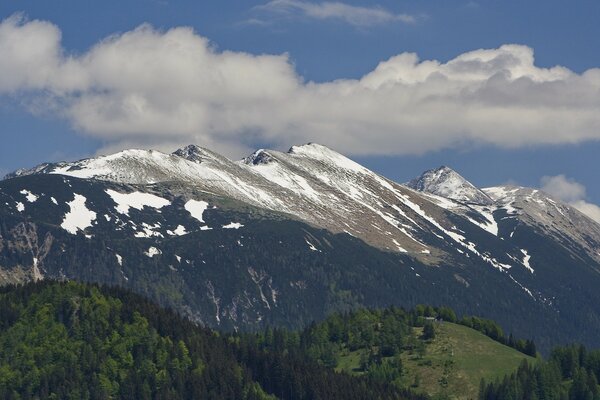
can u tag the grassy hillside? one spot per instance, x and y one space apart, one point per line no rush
452 364
457 359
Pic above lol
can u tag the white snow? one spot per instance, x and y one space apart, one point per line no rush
448 183
179 231
311 246
137 200
119 259
461 240
148 231
196 209
286 179
29 196
325 154
152 251
491 226
20 207
83 173
526 258
52 199
400 248
79 217
233 225
522 287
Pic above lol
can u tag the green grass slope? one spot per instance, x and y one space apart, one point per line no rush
452 364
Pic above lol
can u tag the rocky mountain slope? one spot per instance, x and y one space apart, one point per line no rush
284 238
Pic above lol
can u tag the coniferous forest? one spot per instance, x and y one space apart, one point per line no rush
571 372
77 341
74 341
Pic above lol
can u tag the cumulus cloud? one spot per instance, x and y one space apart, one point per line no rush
353 15
572 192
151 88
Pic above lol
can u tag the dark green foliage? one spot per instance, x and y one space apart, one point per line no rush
428 331
374 339
571 372
75 341
493 330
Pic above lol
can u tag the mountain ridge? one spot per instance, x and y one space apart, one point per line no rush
308 206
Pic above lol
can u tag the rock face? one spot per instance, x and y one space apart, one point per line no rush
446 182
282 238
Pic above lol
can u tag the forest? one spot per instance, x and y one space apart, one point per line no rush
76 341
571 372
67 340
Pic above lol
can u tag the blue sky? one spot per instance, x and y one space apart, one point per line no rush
315 45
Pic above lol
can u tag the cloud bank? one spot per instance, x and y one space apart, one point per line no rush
571 192
161 89
353 15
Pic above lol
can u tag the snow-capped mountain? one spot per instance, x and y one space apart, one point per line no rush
310 182
243 243
446 182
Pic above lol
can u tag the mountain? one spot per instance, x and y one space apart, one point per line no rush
284 238
446 182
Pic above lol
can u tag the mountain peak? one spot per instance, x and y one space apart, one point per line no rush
326 155
259 157
444 181
315 150
194 153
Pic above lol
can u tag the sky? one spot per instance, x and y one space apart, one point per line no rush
503 92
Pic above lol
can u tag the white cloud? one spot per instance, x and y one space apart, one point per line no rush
589 209
354 15
149 88
563 188
572 192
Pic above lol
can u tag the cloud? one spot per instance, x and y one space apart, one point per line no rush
571 192
589 209
563 188
353 15
151 88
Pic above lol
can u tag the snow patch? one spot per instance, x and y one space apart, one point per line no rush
522 287
196 209
148 231
179 231
491 225
526 258
152 251
137 200
79 217
32 198
311 246
20 207
233 225
400 248
119 259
